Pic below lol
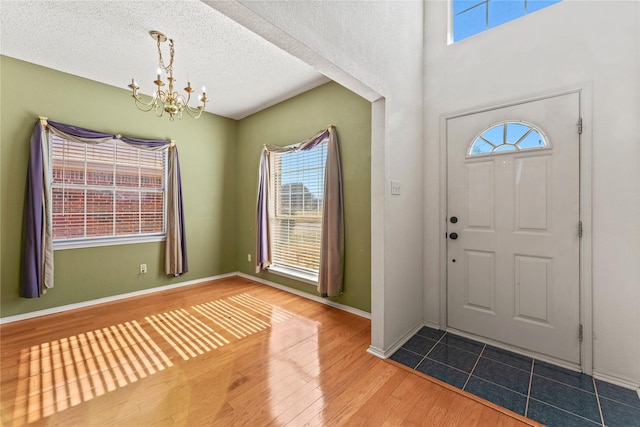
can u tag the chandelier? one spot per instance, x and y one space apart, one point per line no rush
169 101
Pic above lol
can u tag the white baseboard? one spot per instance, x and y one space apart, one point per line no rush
377 352
315 298
617 381
384 354
538 356
62 308
622 382
68 307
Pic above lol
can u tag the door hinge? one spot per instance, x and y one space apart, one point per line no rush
580 126
580 229
580 333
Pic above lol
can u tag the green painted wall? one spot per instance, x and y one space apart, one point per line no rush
293 121
207 155
219 161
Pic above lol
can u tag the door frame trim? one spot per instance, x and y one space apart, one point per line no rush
584 91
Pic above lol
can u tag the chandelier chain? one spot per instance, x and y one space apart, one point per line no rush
168 69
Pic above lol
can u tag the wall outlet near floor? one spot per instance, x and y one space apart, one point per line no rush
249 257
143 268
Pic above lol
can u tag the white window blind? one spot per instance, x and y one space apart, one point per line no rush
107 190
296 197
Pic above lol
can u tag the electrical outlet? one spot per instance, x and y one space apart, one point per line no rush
395 187
249 257
143 268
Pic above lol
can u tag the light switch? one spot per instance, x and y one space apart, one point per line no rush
395 187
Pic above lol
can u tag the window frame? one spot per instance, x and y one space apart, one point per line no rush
531 126
302 274
487 25
114 240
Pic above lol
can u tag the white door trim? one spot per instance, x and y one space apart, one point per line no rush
586 160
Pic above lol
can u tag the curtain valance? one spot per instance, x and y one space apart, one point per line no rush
330 276
37 248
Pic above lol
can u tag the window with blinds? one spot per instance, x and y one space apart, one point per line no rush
106 191
296 197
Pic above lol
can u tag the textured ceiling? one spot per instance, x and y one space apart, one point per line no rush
108 41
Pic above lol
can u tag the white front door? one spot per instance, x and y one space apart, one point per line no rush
513 213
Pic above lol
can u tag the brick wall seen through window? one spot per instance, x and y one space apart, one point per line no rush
106 190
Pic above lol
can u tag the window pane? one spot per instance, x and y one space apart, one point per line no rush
127 224
515 131
99 225
470 22
495 135
127 201
100 174
151 169
73 201
72 162
57 171
473 17
105 212
68 226
151 223
533 140
151 202
481 147
67 160
126 154
296 194
100 164
519 137
73 173
505 147
127 175
501 11
100 152
462 5
57 200
533 5
99 201
73 151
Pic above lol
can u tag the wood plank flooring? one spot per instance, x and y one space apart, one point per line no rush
224 353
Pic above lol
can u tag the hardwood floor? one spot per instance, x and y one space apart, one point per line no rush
224 353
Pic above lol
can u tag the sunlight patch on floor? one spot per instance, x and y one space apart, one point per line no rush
273 313
64 373
56 375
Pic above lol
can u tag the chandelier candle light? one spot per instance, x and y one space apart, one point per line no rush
168 100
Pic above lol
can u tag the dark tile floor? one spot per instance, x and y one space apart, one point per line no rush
545 393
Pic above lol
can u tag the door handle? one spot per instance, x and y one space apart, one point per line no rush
453 236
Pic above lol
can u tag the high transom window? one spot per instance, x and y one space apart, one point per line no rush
296 198
107 191
508 137
471 17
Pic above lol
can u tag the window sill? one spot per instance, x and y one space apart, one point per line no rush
111 241
292 273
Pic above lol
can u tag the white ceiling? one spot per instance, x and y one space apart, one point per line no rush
109 42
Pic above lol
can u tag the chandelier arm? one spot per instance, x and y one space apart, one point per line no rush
159 110
143 106
194 112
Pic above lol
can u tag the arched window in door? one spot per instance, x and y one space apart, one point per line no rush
508 137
